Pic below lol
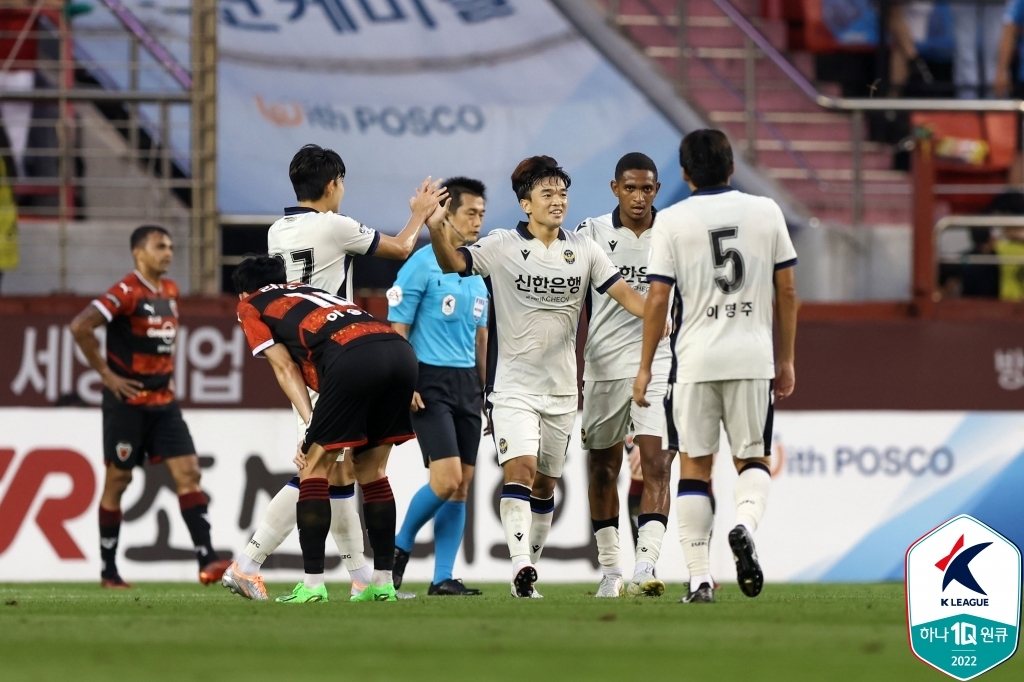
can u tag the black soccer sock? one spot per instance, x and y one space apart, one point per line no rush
636 492
379 515
194 511
313 519
110 530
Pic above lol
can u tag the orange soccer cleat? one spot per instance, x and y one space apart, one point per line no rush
212 572
115 583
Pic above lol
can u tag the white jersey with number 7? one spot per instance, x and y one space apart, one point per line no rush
721 248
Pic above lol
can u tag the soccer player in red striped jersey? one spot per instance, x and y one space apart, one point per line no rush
141 417
365 374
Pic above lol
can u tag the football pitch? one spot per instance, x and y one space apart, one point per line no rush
174 631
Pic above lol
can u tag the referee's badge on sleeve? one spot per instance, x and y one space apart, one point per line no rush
479 305
394 296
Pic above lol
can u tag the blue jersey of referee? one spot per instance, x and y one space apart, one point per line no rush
444 311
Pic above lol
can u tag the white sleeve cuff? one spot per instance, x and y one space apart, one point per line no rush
102 309
262 347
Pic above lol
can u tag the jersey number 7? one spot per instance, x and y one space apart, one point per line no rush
721 258
305 256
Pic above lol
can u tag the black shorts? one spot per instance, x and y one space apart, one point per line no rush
449 423
134 433
365 392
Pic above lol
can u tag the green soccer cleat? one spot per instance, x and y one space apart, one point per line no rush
303 595
377 593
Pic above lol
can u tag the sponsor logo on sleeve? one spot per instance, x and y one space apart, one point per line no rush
394 296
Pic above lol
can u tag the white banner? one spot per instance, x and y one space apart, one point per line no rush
851 492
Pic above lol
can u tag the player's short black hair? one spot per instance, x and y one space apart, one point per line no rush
141 234
706 156
256 272
459 185
530 172
311 169
635 161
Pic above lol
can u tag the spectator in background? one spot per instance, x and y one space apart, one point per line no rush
8 217
976 30
980 280
18 54
1013 20
908 26
1011 275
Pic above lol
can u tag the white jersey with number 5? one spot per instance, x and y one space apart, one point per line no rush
721 249
318 247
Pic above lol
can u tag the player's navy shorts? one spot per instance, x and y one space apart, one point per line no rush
449 423
134 433
365 392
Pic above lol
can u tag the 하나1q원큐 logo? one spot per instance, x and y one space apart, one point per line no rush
963 585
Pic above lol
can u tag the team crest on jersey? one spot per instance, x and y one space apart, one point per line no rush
502 445
569 256
583 436
394 296
123 450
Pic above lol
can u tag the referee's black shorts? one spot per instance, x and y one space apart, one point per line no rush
449 423
365 393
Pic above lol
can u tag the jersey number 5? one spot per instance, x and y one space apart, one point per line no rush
721 258
305 256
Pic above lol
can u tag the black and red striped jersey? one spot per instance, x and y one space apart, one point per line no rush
308 321
142 326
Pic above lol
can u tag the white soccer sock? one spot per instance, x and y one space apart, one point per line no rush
381 578
608 549
277 524
751 495
347 532
695 523
648 543
313 580
543 513
516 521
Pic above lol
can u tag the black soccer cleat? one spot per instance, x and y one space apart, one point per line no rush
524 580
748 571
401 561
451 586
704 594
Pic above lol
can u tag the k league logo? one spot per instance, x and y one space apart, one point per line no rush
963 583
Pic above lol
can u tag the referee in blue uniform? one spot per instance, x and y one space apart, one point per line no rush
444 317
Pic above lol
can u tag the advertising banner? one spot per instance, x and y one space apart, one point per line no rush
403 89
851 492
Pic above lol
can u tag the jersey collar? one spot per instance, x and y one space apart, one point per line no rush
617 219
525 233
146 283
298 210
715 189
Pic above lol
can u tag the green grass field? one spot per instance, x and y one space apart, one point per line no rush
188 632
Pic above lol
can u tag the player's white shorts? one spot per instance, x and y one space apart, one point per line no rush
698 411
533 425
609 412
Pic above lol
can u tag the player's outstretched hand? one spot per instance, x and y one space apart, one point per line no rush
122 387
785 380
417 402
428 195
439 218
643 379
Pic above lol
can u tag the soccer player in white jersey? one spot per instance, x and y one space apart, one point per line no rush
317 244
538 275
612 359
728 255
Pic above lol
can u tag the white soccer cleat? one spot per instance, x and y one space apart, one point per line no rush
645 584
247 586
610 587
523 580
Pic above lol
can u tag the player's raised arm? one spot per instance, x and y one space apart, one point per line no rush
655 312
428 197
786 305
448 257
